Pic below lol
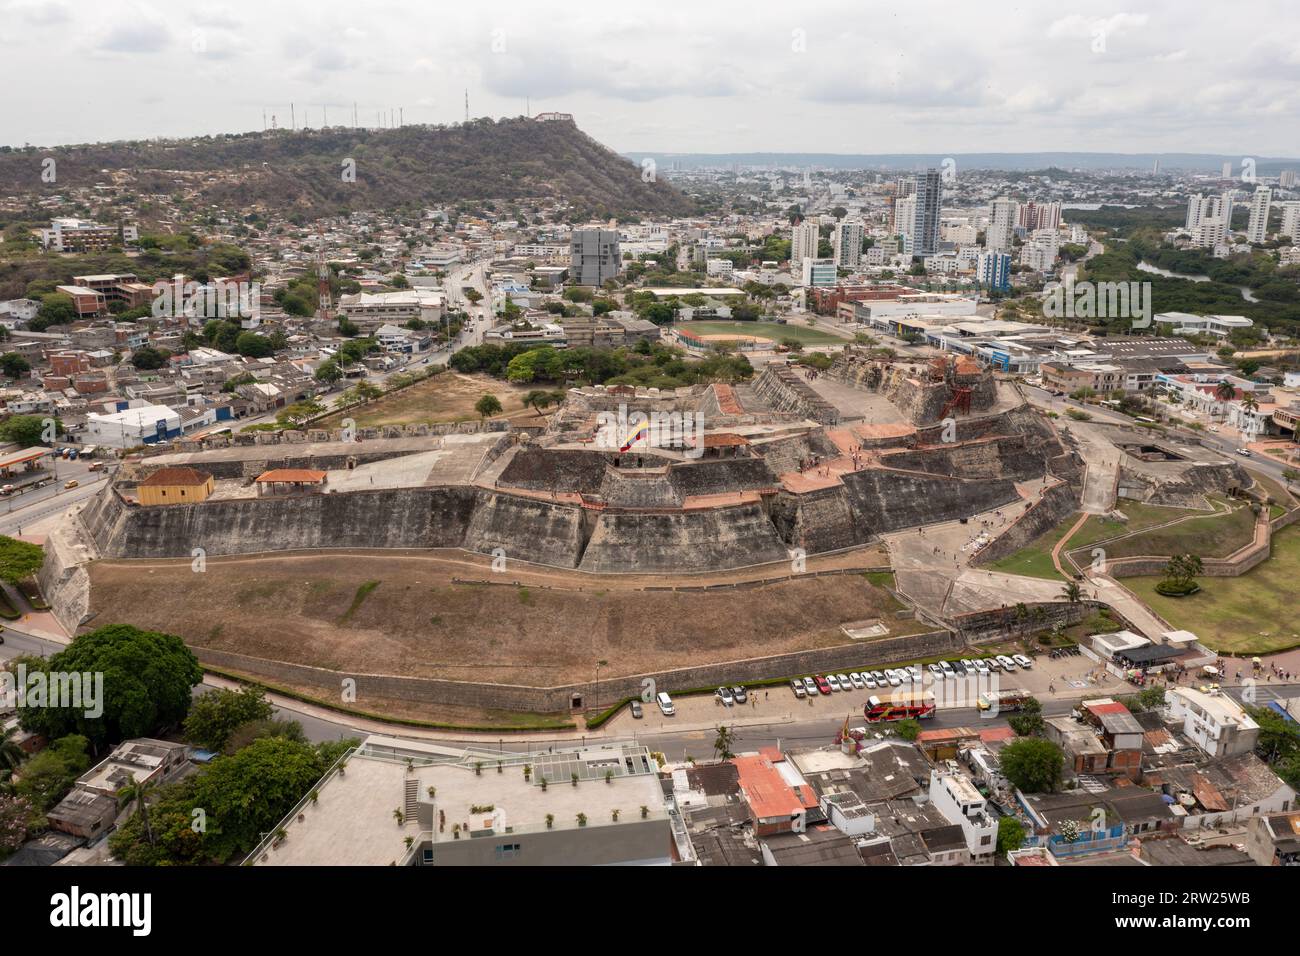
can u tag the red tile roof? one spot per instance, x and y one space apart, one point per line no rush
186 477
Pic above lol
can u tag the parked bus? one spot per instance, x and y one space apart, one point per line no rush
899 705
1013 698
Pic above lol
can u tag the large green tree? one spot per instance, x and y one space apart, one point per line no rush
1033 765
214 716
147 681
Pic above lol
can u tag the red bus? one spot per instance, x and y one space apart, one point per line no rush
899 705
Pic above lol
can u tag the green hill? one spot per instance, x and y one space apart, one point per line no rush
300 173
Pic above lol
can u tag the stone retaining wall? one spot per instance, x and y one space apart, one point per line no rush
489 696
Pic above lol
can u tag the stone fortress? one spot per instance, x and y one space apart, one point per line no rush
794 463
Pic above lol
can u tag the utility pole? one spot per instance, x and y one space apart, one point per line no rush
467 104
354 114
293 119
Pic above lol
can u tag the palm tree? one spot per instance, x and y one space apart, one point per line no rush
1225 391
722 743
139 792
1072 592
1250 403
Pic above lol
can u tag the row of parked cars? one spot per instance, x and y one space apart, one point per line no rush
855 680
898 677
979 666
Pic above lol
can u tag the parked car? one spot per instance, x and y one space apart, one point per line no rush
856 680
868 681
810 686
946 668
879 678
665 704
844 682
992 663
1007 662
833 681
915 671
724 694
980 667
893 678
822 686
738 694
796 685
637 711
1023 661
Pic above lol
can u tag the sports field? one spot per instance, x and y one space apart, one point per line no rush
765 330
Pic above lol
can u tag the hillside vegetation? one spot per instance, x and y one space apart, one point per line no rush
301 173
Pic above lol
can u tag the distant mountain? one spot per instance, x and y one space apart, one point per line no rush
302 173
1189 162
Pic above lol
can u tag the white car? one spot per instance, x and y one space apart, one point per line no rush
916 673
1023 661
936 672
810 687
856 680
980 667
893 678
845 684
881 680
724 694
1006 662
833 681
869 681
946 668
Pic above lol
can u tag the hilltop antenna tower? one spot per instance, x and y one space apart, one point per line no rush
323 275
401 117
293 118
354 114
467 104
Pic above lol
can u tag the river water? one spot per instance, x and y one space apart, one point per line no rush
1193 277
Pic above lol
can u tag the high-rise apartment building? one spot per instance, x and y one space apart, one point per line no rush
993 271
804 243
905 216
846 241
1290 220
594 256
1003 216
929 198
1257 227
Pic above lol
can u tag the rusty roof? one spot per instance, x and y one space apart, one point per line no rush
295 475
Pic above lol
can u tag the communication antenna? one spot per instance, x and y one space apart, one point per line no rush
354 114
467 104
293 118
401 117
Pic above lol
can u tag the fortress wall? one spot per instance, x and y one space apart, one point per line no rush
517 697
887 500
819 521
404 518
783 389
1057 503
682 541
1178 484
1002 457
920 402
639 490
565 469
723 475
63 578
527 529
782 455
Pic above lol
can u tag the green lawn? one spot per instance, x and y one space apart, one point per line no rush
1252 614
1140 516
1035 559
1210 536
769 330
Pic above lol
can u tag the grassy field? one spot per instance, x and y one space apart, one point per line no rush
1210 536
1252 614
446 397
768 330
1140 516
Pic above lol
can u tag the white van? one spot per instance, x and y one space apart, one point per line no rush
665 704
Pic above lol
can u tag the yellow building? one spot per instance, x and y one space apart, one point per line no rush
174 486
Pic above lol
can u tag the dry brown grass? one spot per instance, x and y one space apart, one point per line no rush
446 397
418 621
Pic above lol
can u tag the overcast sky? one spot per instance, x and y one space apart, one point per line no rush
674 75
